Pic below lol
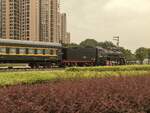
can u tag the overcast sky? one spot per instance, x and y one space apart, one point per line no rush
103 19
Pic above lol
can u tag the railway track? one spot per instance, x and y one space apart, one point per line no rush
29 69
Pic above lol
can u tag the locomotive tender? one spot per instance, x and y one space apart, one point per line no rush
46 54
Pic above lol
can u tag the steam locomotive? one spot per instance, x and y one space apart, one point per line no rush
46 54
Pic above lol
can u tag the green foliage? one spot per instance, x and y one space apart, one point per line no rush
141 54
106 45
148 55
71 45
13 78
89 43
94 43
128 54
107 95
10 78
111 68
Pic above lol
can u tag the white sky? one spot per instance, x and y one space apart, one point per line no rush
103 19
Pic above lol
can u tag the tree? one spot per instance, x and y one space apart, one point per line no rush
106 44
141 54
89 43
127 54
71 45
148 55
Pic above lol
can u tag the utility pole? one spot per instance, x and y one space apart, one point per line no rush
117 38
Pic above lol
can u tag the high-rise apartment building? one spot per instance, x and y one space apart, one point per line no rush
0 18
19 19
44 20
9 18
63 27
49 20
58 24
65 36
67 40
54 20
35 20
29 20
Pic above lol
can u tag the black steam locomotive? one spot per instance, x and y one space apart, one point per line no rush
91 57
45 54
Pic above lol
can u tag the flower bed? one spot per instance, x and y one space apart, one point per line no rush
105 95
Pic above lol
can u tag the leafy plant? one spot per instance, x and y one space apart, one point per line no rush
112 68
13 78
106 95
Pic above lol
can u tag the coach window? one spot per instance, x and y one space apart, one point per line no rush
51 52
12 50
57 52
54 51
46 51
22 51
40 51
2 50
31 51
7 50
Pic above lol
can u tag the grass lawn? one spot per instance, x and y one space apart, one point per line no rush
112 68
13 78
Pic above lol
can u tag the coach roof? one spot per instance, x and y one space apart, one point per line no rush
29 43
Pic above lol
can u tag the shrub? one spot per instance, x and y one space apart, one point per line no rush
14 78
112 68
106 95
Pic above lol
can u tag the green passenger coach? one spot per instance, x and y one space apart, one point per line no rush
34 53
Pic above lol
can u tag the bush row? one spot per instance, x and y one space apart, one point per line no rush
107 95
112 68
13 78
